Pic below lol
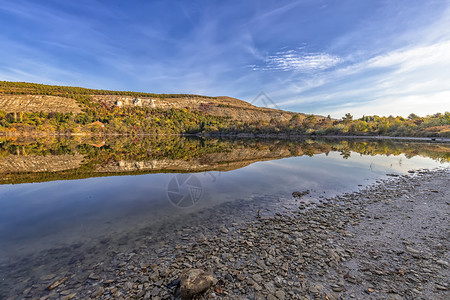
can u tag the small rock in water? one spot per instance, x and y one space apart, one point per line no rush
223 229
26 291
442 262
93 276
174 283
412 250
48 277
69 297
56 283
241 277
271 297
257 278
194 281
99 291
280 294
298 194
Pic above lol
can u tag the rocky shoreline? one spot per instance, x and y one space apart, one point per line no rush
386 241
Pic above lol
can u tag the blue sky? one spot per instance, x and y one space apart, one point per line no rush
314 56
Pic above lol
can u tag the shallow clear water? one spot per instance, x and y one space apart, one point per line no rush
40 216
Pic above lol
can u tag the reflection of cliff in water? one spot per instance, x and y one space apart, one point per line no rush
57 159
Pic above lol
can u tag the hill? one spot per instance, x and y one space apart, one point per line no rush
31 97
36 109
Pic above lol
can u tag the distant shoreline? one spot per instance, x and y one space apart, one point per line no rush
241 135
384 137
283 136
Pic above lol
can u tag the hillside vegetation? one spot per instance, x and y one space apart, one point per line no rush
29 108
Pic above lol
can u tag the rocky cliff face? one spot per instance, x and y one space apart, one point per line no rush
220 106
38 103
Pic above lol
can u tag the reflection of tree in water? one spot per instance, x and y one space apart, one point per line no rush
177 147
345 154
212 153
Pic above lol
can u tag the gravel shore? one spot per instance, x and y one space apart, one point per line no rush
386 241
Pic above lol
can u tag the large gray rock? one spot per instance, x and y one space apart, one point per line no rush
194 281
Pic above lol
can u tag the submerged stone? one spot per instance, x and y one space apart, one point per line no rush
194 281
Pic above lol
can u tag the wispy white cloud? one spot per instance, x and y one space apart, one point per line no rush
293 60
406 70
276 11
411 78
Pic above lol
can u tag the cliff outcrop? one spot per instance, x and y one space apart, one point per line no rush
38 103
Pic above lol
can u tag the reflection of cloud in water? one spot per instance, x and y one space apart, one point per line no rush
386 163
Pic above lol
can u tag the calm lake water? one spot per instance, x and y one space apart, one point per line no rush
58 197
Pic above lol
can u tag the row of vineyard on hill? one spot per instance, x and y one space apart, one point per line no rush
25 88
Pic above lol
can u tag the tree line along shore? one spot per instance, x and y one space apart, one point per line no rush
74 110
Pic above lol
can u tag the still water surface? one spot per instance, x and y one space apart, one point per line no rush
57 193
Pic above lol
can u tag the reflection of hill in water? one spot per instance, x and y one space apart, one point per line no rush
57 159
36 163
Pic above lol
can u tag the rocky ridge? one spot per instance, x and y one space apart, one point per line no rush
218 106
38 103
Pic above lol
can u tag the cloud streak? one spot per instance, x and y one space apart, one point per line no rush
414 79
411 78
292 60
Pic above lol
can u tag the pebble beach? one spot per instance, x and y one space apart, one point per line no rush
389 240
